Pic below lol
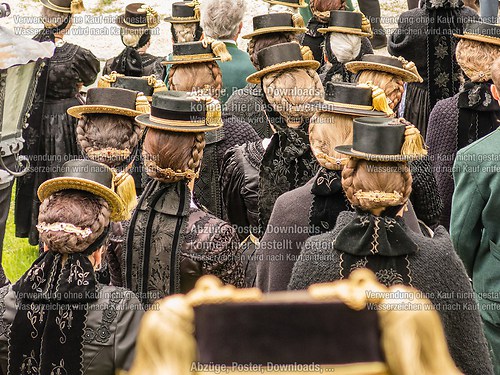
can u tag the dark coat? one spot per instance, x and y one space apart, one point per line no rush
435 270
150 64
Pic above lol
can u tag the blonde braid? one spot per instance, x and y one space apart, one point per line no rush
170 78
217 76
81 134
197 153
347 181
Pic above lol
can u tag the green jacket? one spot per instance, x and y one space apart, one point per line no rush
475 214
235 72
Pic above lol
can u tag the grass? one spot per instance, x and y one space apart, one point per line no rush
18 254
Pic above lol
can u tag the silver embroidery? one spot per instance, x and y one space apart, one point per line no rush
64 321
76 273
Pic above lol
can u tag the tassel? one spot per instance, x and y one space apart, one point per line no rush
214 112
379 100
219 49
298 21
125 189
366 26
107 80
76 6
152 17
157 84
195 4
142 103
414 142
306 53
411 67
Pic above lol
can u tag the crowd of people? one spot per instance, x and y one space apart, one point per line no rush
184 201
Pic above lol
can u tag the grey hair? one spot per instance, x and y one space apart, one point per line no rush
52 18
220 19
345 47
130 37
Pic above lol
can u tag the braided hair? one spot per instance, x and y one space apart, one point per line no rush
194 77
80 208
476 59
392 85
186 32
289 91
367 175
321 8
100 131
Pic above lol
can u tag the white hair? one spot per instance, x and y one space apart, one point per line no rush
345 47
220 19
185 32
130 37
276 8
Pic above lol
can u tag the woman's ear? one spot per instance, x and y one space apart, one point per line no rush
495 93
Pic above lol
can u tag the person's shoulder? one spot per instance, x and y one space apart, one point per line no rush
417 14
483 146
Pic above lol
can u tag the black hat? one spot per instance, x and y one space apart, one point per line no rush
138 16
114 101
64 6
481 32
397 66
280 57
347 22
289 3
185 112
147 84
349 99
90 176
196 52
185 12
276 23
382 139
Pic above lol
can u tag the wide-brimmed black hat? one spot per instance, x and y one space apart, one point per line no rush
280 57
382 139
276 23
138 16
64 6
185 112
288 3
113 101
90 176
196 52
348 99
185 12
481 32
347 22
147 84
397 66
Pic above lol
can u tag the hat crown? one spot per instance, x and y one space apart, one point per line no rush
280 53
182 9
135 14
482 28
272 20
137 84
378 136
384 60
191 49
114 97
88 170
348 93
344 18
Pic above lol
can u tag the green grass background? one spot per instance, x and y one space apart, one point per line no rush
17 255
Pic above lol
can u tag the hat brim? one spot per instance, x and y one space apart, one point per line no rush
333 108
479 38
343 30
194 61
145 120
46 4
347 150
79 110
116 205
286 4
181 20
277 29
358 66
257 76
120 21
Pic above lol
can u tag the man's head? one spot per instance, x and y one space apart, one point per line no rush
222 19
495 76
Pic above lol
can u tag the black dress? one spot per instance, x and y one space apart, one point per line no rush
150 65
51 135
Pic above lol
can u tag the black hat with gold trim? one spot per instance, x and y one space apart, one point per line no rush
347 22
90 176
184 112
113 101
280 57
354 100
397 66
185 12
196 52
138 16
481 32
288 3
382 139
148 85
64 6
277 23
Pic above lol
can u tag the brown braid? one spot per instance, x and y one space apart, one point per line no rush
321 8
79 208
196 76
100 131
290 90
367 176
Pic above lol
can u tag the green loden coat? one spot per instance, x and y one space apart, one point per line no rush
475 228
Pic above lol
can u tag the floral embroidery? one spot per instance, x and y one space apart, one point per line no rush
64 321
37 276
389 277
442 79
441 51
78 274
58 369
30 365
